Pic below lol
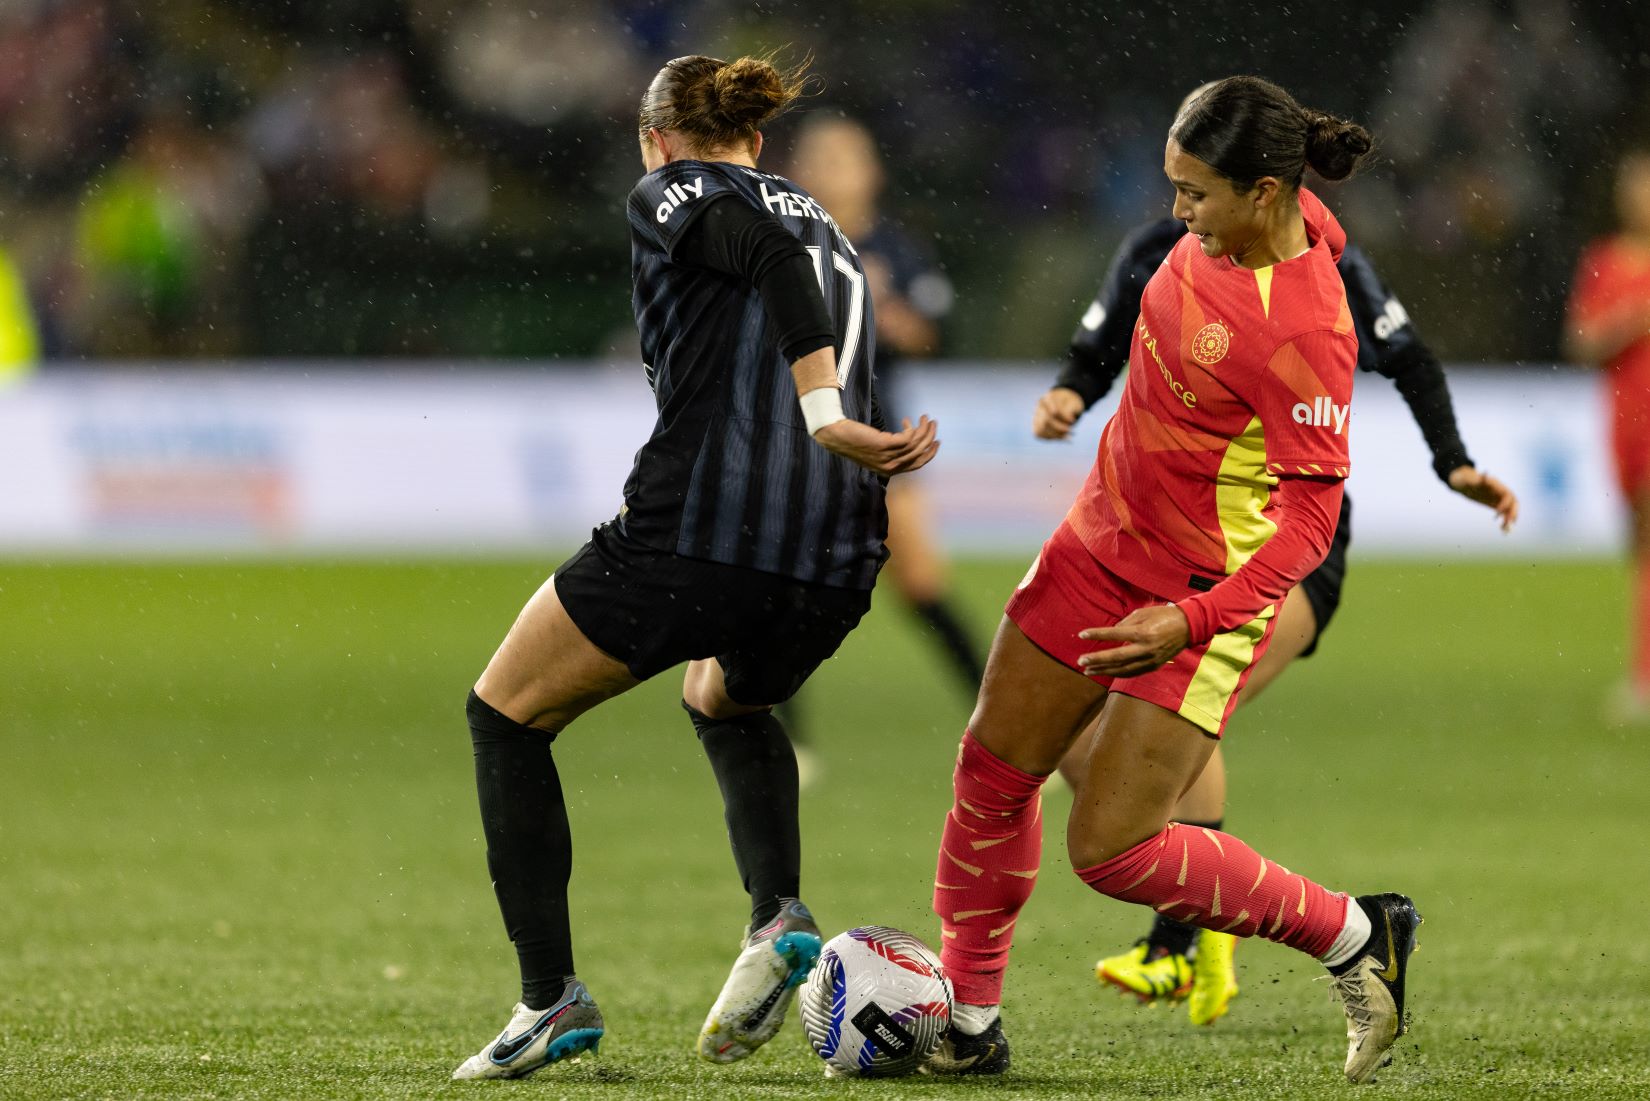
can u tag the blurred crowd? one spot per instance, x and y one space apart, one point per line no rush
399 178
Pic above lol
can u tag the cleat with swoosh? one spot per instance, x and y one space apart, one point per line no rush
535 1038
1371 986
962 1053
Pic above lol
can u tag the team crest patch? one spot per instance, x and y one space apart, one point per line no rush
1210 344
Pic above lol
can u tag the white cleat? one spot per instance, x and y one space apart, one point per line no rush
535 1038
770 966
1371 990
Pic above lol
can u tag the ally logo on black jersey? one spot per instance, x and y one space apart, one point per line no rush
678 194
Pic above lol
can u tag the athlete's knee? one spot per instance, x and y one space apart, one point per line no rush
705 693
1094 838
1119 873
488 723
718 707
988 788
703 721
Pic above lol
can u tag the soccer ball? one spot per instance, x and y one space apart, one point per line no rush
876 1003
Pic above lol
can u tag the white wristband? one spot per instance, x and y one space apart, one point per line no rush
821 407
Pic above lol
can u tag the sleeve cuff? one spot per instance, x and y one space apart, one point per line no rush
1197 621
1445 461
802 345
1300 468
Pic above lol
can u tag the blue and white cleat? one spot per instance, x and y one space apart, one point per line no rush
535 1038
771 965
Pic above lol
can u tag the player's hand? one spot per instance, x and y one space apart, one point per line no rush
1475 485
1057 411
885 453
1149 638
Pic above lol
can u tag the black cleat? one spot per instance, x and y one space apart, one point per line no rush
960 1053
1371 986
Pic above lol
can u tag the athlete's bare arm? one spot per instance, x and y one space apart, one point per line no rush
1475 485
885 453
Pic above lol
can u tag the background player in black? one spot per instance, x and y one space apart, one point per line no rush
1163 963
836 159
747 546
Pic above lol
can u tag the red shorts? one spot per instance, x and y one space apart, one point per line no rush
1067 590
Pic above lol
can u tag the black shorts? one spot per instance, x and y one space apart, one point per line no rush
652 609
1323 585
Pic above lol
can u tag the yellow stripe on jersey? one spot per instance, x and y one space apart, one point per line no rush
1263 280
1242 489
1211 687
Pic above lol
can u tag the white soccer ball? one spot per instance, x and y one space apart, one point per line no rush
876 1003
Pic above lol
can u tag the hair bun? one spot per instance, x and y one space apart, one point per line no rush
1335 148
748 92
719 104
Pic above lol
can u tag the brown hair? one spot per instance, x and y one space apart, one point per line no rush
719 104
1245 128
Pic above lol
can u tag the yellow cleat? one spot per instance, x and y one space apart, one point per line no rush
1214 978
1166 975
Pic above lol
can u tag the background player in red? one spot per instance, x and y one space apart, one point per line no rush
1215 491
1176 960
1610 326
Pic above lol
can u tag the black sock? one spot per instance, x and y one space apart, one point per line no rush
529 846
1171 936
756 769
965 658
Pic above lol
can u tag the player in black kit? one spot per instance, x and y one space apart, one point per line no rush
749 540
836 159
1176 960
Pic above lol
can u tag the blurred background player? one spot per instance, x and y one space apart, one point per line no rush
1175 959
1211 497
1609 326
751 534
836 160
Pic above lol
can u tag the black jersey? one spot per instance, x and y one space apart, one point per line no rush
1387 342
914 275
730 473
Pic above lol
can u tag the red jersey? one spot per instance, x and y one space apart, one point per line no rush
1614 276
1236 376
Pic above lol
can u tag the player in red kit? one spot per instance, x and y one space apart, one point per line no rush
1609 325
1216 489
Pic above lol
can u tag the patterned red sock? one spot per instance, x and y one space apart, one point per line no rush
989 853
1213 880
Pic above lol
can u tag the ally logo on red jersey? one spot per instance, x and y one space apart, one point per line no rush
1322 413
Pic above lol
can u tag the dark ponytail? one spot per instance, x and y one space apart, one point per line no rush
719 104
1335 148
1245 128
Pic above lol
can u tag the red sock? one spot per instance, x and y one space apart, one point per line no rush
1213 880
989 853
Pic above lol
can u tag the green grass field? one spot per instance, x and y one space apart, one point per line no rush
240 856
